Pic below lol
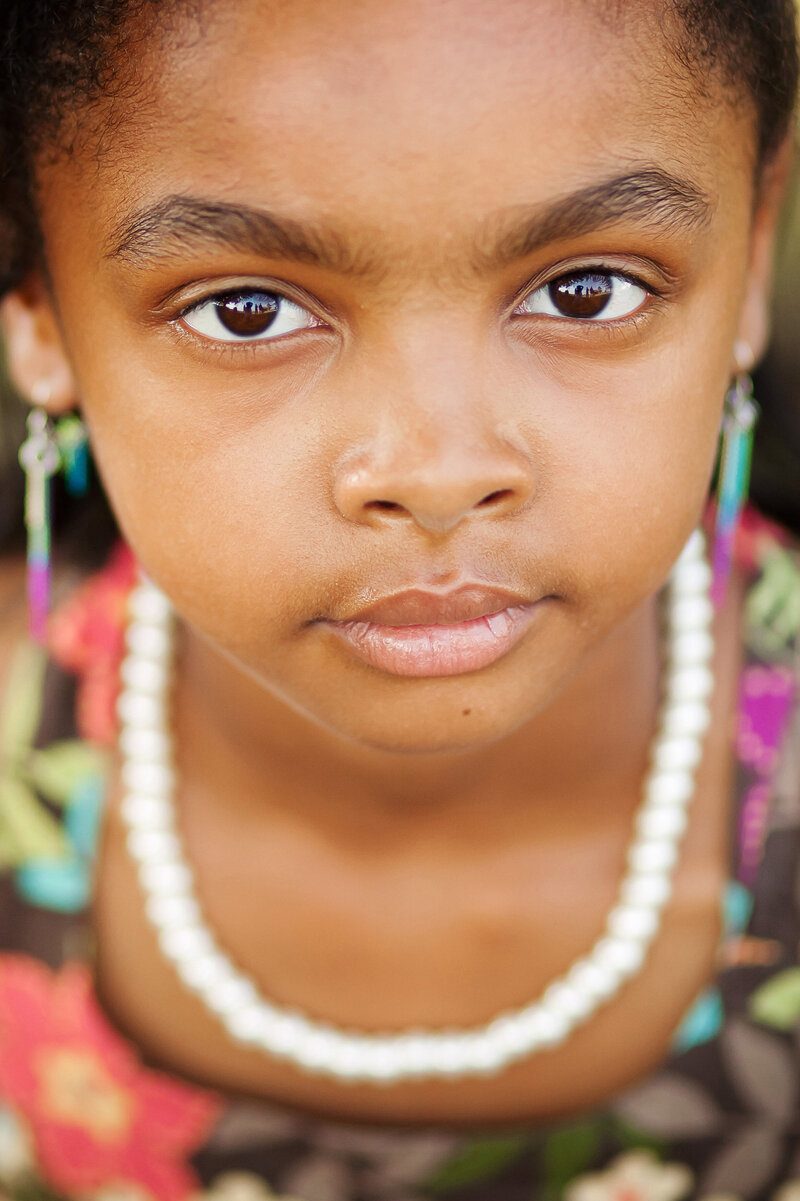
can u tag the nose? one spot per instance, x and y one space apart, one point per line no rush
433 480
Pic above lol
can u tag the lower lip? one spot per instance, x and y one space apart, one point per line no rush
436 650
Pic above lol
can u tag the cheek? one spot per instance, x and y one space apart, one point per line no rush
627 451
228 525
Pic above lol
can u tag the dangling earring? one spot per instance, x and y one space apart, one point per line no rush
73 444
738 422
44 451
39 458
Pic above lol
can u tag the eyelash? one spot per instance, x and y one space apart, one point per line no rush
598 324
256 343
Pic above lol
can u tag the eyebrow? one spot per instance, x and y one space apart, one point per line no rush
179 223
652 198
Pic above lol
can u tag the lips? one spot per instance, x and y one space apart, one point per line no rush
417 633
417 607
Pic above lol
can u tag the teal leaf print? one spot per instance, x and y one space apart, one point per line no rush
777 1003
84 811
737 908
480 1160
64 886
702 1023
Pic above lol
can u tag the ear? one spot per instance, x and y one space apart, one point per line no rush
754 325
35 354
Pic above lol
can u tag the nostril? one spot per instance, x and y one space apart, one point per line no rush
494 498
383 506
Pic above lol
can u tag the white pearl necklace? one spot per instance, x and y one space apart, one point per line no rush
388 1057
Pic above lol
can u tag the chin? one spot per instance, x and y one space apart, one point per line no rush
427 729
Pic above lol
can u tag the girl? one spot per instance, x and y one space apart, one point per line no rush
401 334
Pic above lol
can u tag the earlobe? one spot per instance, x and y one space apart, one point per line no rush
35 355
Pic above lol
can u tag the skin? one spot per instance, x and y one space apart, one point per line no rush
385 828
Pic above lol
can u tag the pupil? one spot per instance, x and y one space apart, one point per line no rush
581 295
249 314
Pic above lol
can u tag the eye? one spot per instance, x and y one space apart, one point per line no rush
247 316
587 296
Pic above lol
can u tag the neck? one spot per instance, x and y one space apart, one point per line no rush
580 758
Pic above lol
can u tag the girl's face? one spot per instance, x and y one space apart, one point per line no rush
367 299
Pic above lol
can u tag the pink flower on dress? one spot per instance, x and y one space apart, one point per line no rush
97 1117
86 635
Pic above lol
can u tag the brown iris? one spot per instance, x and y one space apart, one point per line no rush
248 314
584 295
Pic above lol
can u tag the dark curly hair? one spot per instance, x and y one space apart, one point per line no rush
58 58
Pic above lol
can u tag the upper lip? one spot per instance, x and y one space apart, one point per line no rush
420 607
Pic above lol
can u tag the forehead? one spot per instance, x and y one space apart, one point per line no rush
389 114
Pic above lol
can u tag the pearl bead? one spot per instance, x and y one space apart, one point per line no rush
637 924
546 1027
205 971
146 812
230 995
153 846
144 675
690 684
695 548
677 755
172 911
165 878
145 744
653 890
349 1061
692 717
147 641
669 788
664 822
415 1053
340 1064
285 1034
247 1025
445 1055
148 604
565 998
692 576
510 1035
385 1061
652 857
691 647
484 1057
185 942
156 779
691 613
138 709
624 955
598 981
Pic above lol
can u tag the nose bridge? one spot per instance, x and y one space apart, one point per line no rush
437 449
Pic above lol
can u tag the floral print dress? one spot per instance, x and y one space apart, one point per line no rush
81 1116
